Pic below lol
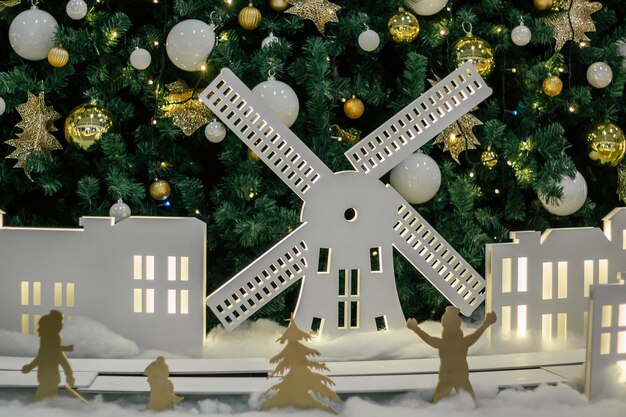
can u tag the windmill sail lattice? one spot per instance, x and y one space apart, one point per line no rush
352 222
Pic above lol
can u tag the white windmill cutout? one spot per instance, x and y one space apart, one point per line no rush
351 221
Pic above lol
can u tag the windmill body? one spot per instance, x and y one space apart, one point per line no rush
351 222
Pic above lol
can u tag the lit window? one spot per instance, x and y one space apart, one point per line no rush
25 286
562 280
561 327
603 276
521 320
546 328
507 266
171 268
607 313
588 277
150 268
506 322
184 302
69 294
184 268
58 294
137 300
547 280
622 315
149 301
621 342
522 274
605 343
25 323
137 267
171 301
36 293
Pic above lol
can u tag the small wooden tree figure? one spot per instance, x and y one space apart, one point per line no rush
452 346
162 395
299 386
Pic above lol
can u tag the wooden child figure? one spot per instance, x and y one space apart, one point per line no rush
452 346
162 395
50 356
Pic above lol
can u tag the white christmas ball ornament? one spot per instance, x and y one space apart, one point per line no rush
574 196
599 74
76 9
417 178
426 7
521 35
280 98
215 132
140 59
31 34
269 40
3 106
369 40
189 44
119 211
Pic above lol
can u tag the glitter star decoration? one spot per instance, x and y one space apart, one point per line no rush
573 21
459 137
37 123
319 11
8 3
184 107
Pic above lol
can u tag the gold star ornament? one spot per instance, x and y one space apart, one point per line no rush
37 123
319 11
571 23
184 107
459 137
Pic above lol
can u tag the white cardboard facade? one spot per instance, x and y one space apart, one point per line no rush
541 281
143 277
606 340
351 221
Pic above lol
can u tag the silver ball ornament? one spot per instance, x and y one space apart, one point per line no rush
76 9
215 132
426 7
140 59
269 40
599 74
521 35
369 40
280 98
31 34
573 198
189 44
119 211
417 178
3 106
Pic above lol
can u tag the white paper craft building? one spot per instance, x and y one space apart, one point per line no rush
541 281
606 342
144 278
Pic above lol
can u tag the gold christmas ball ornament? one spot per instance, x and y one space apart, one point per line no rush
606 144
58 57
160 190
552 85
473 49
403 27
542 5
353 108
249 17
279 5
489 158
252 156
86 124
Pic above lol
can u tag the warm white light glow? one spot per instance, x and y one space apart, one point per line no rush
69 294
521 320
546 328
149 301
171 268
150 268
547 281
621 342
507 266
137 300
603 277
25 323
58 294
506 322
36 293
522 274
605 343
137 267
622 377
588 277
561 327
562 278
25 293
607 313
184 302
171 301
622 315
184 268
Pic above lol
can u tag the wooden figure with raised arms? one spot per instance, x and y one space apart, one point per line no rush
51 354
452 346
162 396
351 221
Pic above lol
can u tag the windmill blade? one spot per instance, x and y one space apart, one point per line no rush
261 281
419 122
437 260
259 128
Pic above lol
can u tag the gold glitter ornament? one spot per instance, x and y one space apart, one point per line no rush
36 124
489 158
606 144
459 137
552 85
353 108
185 109
573 21
403 27
279 5
86 124
542 5
160 190
621 182
350 135
8 3
318 11
249 17
473 49
58 57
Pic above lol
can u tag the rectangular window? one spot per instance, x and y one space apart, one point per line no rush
381 323
607 313
546 328
323 264
149 301
507 266
184 268
506 322
137 267
375 265
622 315
621 342
341 315
605 343
317 325
343 283
58 294
521 320
137 300
36 293
150 268
622 372
25 293
603 273
171 301
547 281
36 318
588 277
171 268
562 280
69 294
355 282
354 314
25 323
184 302
561 327
522 274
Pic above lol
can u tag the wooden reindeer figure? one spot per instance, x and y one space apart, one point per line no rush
162 395
452 346
51 354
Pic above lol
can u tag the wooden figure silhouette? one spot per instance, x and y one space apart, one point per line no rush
299 386
162 395
51 354
452 346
